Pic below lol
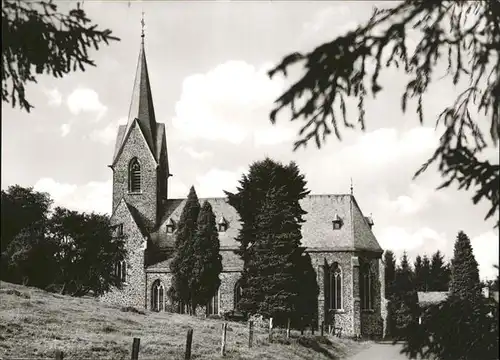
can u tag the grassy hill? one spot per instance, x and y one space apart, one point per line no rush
35 323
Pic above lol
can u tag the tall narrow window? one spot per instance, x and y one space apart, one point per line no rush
335 287
134 175
366 287
123 265
213 304
237 294
121 271
157 298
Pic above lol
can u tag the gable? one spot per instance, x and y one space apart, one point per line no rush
364 239
133 144
123 215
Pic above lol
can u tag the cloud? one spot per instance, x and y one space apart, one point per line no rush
215 181
273 135
227 103
399 239
199 155
107 134
65 129
417 199
485 248
387 146
55 97
85 100
91 197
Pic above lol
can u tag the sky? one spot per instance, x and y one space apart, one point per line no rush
208 63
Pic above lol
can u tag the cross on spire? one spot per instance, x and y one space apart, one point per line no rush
142 25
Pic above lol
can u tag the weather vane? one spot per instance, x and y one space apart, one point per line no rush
142 25
351 187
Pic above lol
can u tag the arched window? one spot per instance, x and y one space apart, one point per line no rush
181 307
134 176
335 287
366 287
213 305
121 271
157 298
237 294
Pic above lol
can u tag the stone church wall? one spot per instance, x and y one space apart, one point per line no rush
145 201
343 318
132 293
372 322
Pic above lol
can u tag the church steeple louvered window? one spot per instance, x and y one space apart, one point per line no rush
134 176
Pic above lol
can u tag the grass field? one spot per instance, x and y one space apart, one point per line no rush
34 324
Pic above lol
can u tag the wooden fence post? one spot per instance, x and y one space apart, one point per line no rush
322 327
189 340
135 348
223 345
250 333
288 329
270 328
59 355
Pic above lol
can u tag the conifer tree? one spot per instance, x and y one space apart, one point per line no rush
390 272
308 291
404 276
418 265
183 260
264 177
208 262
426 273
464 269
272 282
439 274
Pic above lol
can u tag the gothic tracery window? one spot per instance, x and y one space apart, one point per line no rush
134 174
157 296
366 287
335 282
213 305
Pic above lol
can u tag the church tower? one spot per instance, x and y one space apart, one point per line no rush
140 161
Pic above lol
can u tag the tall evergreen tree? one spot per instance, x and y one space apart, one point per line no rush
464 270
263 194
182 264
251 193
404 276
418 265
205 279
308 291
273 286
390 272
439 274
426 273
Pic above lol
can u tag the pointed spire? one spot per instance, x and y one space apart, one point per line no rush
141 105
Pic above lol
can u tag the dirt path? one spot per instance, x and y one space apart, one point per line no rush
380 351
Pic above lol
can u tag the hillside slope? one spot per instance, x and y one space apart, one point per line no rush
35 323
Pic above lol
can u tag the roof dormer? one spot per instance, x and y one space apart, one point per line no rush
337 222
170 226
222 224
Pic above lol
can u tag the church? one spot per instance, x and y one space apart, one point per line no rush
345 254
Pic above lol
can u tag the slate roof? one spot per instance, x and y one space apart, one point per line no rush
317 230
426 298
